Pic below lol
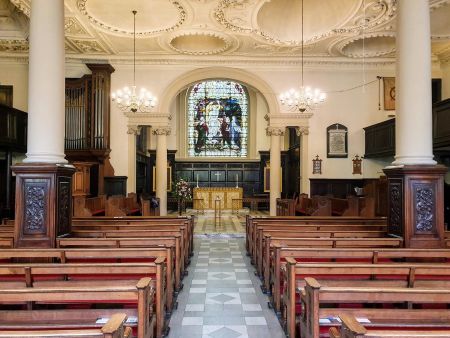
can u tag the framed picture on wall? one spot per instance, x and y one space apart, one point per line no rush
267 178
337 141
389 93
6 95
169 178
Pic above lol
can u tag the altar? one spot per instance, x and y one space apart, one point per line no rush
230 198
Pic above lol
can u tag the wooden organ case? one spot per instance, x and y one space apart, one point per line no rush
87 129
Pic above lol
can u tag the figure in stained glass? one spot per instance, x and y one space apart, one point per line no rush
217 119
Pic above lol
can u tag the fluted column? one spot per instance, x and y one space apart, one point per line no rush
161 167
46 83
303 132
275 166
413 129
132 132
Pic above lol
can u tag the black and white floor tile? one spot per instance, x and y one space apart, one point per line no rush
221 297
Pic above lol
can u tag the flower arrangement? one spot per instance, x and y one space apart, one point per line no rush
183 190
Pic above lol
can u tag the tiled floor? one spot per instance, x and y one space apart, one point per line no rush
222 296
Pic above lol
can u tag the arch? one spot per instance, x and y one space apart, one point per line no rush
250 79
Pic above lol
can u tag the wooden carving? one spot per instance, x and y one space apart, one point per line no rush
35 207
64 196
395 212
424 205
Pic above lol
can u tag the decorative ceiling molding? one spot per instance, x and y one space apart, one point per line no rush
377 13
72 27
81 4
88 46
201 42
18 46
362 45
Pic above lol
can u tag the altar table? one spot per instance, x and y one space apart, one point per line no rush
205 197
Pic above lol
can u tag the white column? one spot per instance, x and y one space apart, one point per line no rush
303 132
132 132
46 83
413 134
275 166
161 167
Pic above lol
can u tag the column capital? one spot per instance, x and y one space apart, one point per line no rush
302 130
161 131
133 130
274 131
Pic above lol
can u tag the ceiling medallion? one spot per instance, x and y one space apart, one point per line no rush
182 14
378 13
200 43
376 44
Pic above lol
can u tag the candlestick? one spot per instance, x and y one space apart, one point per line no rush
197 180
237 180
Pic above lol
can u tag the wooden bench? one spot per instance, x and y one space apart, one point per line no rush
87 207
348 255
262 259
89 255
88 275
265 236
314 223
351 328
142 244
331 301
136 223
114 328
403 275
139 296
147 209
122 206
176 232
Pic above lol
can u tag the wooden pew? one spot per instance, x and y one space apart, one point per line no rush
262 258
96 255
141 294
136 223
403 275
351 328
286 206
344 206
122 206
314 223
42 276
114 328
166 231
314 295
88 207
147 209
348 255
142 244
264 237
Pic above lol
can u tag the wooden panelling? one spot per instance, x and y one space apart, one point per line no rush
380 139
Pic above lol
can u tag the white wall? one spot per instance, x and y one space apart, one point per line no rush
16 74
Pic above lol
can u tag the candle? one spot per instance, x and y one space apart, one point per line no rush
197 180
237 180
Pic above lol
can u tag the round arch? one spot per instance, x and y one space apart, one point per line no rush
173 89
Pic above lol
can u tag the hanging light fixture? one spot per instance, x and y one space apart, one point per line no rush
129 99
306 98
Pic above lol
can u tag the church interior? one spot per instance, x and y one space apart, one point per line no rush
224 168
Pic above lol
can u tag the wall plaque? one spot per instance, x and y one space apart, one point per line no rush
337 141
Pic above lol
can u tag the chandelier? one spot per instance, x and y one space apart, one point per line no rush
305 98
128 98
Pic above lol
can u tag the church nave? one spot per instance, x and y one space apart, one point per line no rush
222 296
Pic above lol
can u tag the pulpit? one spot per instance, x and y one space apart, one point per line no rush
206 197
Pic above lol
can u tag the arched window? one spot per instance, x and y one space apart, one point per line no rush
217 119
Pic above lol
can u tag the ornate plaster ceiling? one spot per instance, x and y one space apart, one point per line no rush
263 29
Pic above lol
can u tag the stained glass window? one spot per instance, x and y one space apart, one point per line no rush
217 119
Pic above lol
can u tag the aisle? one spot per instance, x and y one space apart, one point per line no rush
222 296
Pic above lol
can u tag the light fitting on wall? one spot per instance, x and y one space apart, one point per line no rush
306 98
129 99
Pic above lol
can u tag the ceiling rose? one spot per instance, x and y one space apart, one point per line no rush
160 15
200 43
373 45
